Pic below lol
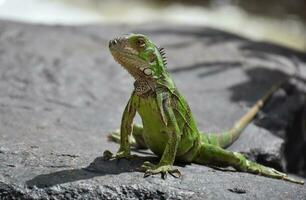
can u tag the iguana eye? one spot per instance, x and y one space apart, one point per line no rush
140 42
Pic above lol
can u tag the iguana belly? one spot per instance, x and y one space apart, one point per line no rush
156 132
155 135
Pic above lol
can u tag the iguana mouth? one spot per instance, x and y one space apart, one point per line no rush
120 45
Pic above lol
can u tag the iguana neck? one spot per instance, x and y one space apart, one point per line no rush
145 86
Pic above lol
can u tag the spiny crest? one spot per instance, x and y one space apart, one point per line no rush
163 54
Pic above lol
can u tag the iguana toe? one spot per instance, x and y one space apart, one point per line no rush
163 170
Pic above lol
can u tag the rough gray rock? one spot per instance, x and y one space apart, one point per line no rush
61 92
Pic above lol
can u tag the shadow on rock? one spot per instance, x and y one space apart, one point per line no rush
267 48
99 167
295 146
260 80
280 110
216 67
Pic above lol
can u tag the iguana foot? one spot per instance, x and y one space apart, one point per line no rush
151 169
107 155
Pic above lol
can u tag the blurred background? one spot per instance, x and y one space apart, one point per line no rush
279 21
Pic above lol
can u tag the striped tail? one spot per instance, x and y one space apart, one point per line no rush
225 139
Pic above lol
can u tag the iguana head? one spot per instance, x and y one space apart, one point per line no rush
139 56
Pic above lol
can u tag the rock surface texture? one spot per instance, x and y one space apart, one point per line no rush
61 92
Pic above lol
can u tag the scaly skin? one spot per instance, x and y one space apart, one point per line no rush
169 129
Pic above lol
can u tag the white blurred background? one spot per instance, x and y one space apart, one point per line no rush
278 21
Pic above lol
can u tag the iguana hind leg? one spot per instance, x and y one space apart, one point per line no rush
136 140
214 155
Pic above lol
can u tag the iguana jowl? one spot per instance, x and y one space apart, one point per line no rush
169 129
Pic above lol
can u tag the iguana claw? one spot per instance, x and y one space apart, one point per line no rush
107 155
151 169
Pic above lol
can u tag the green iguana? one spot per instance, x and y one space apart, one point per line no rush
169 129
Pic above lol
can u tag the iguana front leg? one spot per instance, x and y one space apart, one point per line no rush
165 164
136 140
125 131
